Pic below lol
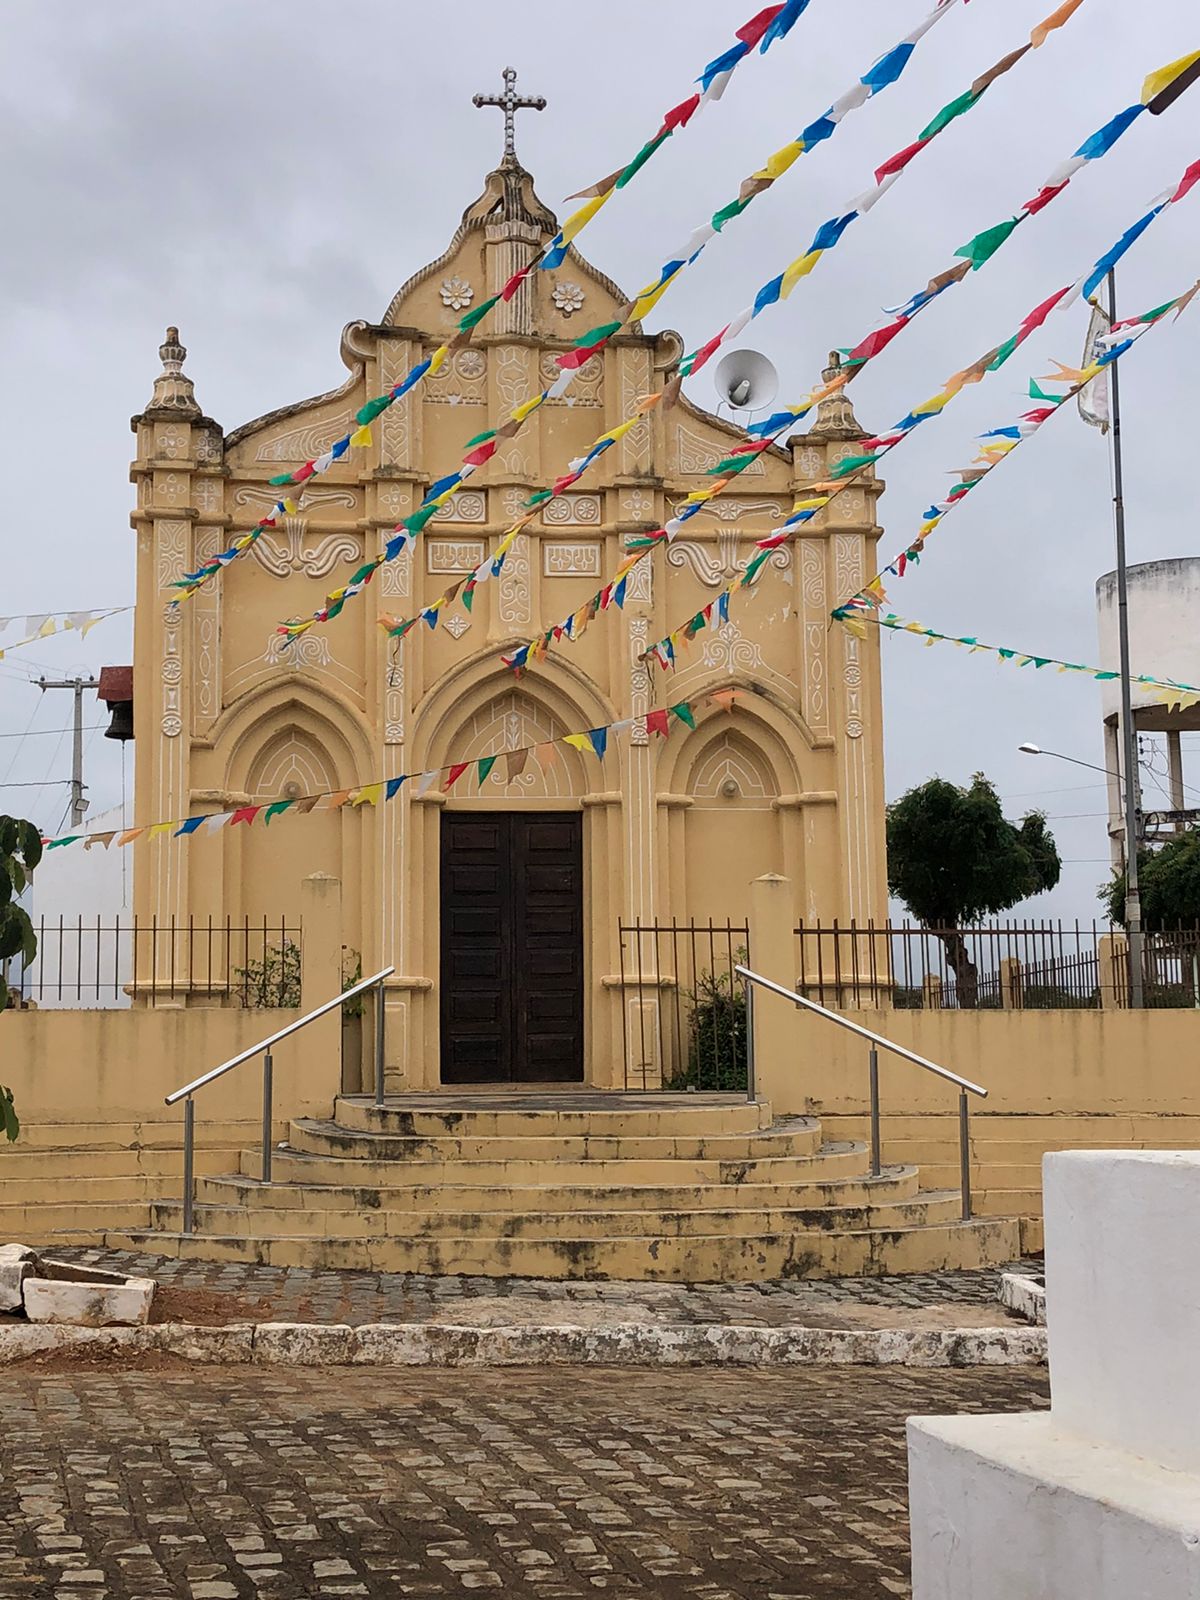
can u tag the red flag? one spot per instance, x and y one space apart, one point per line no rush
751 32
656 722
899 161
246 814
455 773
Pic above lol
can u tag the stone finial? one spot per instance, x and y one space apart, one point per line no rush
835 415
173 391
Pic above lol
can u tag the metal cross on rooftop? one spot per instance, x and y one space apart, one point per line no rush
510 102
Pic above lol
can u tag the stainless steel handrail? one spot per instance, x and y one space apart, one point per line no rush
265 1048
877 1040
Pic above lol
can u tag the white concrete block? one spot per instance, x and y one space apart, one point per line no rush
1123 1302
17 1262
89 1305
1017 1508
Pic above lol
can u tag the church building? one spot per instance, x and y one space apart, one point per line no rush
499 903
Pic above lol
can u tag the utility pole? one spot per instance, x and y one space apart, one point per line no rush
1129 756
77 686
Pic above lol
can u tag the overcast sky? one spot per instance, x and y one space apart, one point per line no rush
261 172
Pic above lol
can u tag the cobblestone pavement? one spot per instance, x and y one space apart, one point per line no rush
295 1294
239 1482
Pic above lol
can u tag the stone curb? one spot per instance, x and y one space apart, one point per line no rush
629 1344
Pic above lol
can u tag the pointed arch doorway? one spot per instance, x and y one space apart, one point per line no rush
512 954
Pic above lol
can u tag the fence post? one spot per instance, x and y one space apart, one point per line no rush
317 1073
1113 971
1011 984
775 1021
931 992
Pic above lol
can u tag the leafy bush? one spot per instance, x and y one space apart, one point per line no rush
274 982
717 1044
20 852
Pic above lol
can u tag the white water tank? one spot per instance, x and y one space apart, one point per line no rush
1164 637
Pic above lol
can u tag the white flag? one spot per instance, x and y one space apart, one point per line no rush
1093 397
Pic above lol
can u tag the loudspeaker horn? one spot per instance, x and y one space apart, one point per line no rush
746 380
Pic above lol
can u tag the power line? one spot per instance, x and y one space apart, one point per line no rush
43 733
45 783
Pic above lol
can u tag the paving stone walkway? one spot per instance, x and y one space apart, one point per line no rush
228 1483
220 1291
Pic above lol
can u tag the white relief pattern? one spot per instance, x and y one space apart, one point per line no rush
728 647
641 582
462 381
206 495
727 563
457 294
468 505
637 505
282 555
453 555
301 444
169 441
393 701
571 510
570 560
639 680
586 388
396 576
698 455
172 564
516 597
637 445
847 573
568 297
309 650
812 582
736 510
456 625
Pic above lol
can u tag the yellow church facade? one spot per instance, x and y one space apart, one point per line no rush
498 904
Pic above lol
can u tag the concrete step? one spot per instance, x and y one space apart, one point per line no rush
42 1223
115 1135
86 1190
546 1224
537 1115
897 1183
303 1166
795 1136
66 1166
701 1258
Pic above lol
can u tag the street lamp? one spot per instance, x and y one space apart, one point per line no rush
1133 918
1036 750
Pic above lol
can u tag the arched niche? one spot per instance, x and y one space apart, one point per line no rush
289 743
479 711
732 771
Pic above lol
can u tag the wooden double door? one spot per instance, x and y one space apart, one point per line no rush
512 947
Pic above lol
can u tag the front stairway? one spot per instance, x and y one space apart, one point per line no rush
572 1184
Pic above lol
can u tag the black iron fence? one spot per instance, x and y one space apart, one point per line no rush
104 963
683 1011
999 966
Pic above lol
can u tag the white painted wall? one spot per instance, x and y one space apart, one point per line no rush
78 968
1163 601
1098 1499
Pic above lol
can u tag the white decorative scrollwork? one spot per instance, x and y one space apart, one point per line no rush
290 553
456 625
728 647
516 598
639 680
736 510
700 455
724 564
309 650
637 505
302 444
457 294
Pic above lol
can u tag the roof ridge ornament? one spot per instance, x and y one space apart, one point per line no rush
173 390
510 102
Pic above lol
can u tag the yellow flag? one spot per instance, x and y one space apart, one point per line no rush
47 628
578 741
1165 76
783 158
361 437
437 359
161 827
650 296
579 221
369 795
800 268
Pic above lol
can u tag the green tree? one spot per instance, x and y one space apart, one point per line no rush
20 852
953 857
1169 886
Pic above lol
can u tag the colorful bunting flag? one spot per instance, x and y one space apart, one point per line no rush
781 18
48 623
